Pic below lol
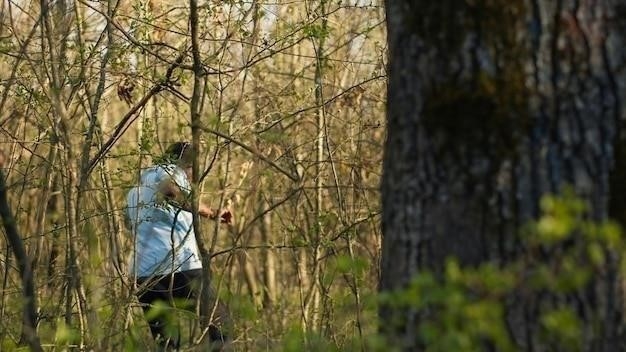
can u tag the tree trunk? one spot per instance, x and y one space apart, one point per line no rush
14 240
492 105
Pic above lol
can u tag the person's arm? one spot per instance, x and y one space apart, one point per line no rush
178 198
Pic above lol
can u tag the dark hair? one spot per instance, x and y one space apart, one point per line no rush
179 151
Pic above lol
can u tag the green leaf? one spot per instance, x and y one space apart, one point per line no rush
596 254
564 326
158 309
65 334
315 30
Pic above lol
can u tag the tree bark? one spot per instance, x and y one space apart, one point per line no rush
492 105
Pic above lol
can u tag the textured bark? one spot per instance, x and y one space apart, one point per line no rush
491 105
403 192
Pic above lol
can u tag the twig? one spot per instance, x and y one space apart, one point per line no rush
132 115
260 246
256 153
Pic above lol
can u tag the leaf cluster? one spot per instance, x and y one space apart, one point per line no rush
469 309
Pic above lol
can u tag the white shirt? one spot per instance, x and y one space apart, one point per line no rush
164 238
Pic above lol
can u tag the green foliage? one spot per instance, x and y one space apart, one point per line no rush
165 312
317 31
132 340
354 265
462 309
147 140
295 339
273 136
560 219
66 335
564 327
6 45
9 345
243 308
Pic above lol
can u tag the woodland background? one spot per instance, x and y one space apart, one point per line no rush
408 175
289 101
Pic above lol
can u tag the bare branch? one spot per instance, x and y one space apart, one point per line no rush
132 115
294 178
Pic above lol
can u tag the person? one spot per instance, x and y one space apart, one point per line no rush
166 262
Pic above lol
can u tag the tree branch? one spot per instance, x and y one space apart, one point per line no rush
256 153
132 115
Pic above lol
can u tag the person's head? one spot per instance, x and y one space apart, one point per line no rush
180 153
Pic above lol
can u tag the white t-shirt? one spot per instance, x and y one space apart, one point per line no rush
164 238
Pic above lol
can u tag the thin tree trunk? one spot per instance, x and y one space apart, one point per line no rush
250 277
269 259
14 239
49 176
52 210
206 310
73 266
320 162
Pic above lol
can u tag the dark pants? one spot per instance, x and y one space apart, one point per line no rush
181 290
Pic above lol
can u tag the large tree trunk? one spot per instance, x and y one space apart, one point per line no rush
491 105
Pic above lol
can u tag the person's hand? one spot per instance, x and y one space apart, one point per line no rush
226 217
206 211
